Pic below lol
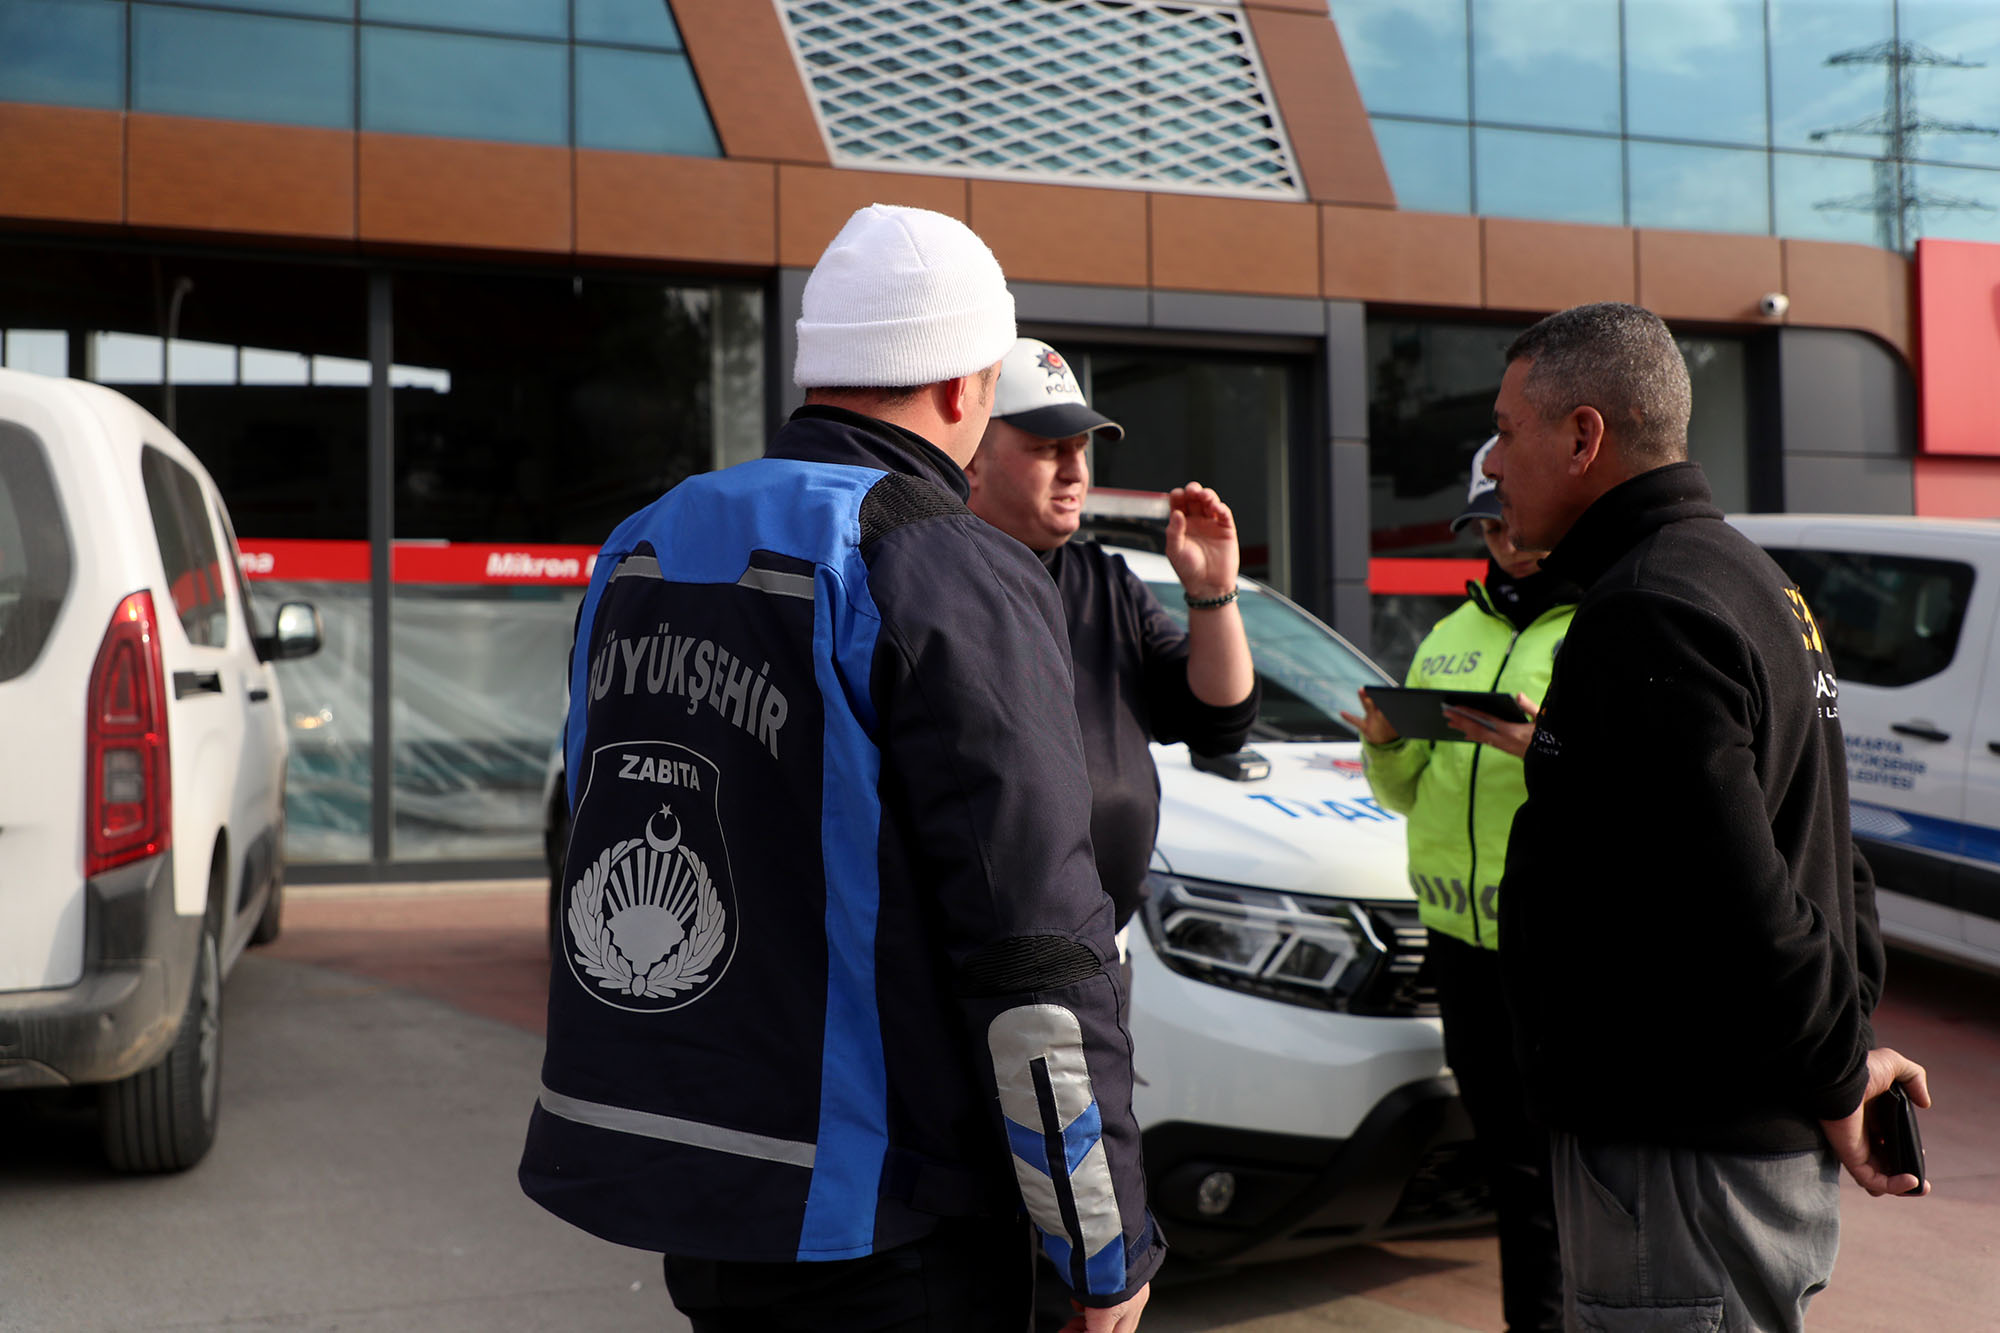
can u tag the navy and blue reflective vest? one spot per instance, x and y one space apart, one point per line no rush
834 960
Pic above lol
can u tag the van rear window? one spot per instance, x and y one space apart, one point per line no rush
1887 619
34 550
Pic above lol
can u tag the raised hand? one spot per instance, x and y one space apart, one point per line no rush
1201 540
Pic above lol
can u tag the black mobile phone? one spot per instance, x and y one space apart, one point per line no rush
1891 1123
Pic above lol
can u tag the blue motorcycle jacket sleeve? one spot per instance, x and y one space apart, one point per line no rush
976 702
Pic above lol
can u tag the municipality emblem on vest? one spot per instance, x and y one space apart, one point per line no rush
647 920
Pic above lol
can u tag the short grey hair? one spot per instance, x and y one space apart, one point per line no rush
1619 359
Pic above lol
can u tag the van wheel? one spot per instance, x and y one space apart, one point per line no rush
163 1118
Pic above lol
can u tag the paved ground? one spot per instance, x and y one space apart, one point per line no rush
380 1061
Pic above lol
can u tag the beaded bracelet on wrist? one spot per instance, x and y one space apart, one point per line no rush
1210 603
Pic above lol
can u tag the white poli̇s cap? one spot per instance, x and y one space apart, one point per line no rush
1038 393
902 297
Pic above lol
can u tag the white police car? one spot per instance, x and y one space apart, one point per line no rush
1292 1087
1910 610
1291 1080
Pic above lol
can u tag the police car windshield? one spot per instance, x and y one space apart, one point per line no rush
1308 676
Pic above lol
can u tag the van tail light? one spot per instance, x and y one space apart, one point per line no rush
128 794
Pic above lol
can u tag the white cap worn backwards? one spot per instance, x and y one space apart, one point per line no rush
902 297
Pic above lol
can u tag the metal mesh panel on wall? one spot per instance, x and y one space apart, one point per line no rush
1110 92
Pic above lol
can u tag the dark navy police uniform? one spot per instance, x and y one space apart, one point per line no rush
837 978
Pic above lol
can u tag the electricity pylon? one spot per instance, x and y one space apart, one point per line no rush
1896 201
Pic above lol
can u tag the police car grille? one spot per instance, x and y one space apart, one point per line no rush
1395 991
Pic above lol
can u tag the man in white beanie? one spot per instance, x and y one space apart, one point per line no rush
837 991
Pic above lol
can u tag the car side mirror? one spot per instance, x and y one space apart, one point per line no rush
299 633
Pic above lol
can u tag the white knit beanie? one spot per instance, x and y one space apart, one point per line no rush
902 297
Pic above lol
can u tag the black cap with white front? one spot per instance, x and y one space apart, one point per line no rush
1038 393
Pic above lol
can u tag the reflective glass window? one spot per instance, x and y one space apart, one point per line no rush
563 407
464 87
1306 677
1959 94
1955 203
1888 620
1408 56
1431 387
1554 177
1694 69
1810 95
34 550
1546 62
329 703
1430 165
1699 189
1221 420
480 681
525 18
1719 429
1833 198
627 22
41 351
193 62
69 52
642 101
329 9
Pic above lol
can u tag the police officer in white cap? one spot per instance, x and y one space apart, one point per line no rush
1140 677
837 991
1460 801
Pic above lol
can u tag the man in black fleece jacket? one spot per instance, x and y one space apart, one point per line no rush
1690 940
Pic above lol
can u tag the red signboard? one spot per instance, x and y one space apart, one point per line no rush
324 562
1443 577
421 562
1958 324
476 563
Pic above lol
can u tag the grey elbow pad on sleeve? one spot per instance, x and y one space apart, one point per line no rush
1056 1132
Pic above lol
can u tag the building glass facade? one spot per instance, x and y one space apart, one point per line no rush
1431 388
1869 121
588 73
431 372
529 413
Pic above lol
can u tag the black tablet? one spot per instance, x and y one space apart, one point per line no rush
1419 714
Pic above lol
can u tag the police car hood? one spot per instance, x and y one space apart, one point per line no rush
1312 826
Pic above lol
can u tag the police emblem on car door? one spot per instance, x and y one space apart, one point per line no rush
649 912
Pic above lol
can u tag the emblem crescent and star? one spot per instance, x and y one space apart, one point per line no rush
663 845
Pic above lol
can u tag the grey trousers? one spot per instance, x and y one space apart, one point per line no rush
1674 1240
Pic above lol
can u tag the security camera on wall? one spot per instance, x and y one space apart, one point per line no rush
1773 305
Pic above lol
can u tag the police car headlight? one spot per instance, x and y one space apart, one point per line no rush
1298 948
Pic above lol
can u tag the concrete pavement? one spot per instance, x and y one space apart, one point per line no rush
380 1060
362 1181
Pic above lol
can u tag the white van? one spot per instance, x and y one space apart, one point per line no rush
1910 609
142 797
1291 1083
